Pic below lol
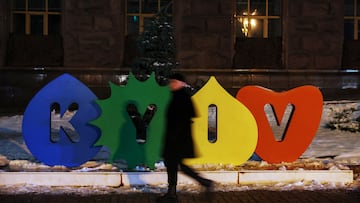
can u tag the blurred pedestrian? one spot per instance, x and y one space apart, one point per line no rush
178 143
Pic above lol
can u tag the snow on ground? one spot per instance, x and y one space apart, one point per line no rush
160 189
330 150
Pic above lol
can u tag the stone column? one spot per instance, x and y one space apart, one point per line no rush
313 34
204 33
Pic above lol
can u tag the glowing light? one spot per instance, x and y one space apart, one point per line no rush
135 18
246 25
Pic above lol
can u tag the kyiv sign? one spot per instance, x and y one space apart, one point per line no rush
236 128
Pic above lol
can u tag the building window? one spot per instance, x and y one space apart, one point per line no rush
36 17
351 19
258 18
141 12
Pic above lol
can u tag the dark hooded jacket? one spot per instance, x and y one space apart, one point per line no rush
178 141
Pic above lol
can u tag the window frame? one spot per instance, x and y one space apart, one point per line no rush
45 13
142 16
356 18
265 18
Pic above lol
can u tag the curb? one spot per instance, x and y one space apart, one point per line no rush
116 179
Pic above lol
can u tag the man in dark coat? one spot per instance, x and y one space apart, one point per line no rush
178 143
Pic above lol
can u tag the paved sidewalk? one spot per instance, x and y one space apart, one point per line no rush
263 196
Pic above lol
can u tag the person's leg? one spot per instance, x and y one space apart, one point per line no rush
208 184
190 172
172 170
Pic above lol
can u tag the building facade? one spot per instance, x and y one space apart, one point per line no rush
277 44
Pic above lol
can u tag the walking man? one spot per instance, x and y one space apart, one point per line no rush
178 143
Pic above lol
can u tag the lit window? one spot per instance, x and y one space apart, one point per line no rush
258 18
351 19
36 17
141 12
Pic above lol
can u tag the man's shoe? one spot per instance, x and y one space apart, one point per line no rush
209 188
209 185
